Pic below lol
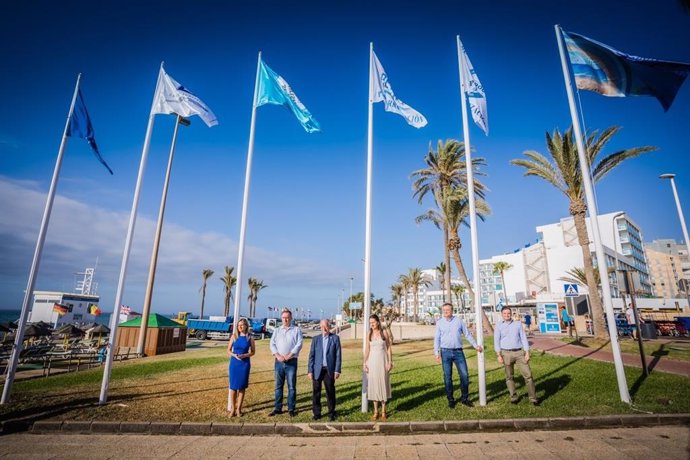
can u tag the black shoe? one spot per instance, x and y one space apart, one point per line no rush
316 417
274 413
452 404
331 417
467 402
514 400
535 402
292 413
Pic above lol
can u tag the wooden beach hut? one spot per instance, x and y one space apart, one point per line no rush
163 335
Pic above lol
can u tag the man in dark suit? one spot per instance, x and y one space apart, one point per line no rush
325 357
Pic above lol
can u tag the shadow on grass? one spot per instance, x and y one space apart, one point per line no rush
658 354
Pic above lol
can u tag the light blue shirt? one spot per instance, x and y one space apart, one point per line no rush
325 347
449 334
286 340
509 335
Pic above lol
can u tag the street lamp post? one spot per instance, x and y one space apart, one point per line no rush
680 210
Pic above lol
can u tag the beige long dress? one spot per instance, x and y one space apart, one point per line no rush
378 382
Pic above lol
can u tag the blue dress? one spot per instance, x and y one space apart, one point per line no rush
239 368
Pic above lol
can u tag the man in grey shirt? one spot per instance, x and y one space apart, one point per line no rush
286 343
511 346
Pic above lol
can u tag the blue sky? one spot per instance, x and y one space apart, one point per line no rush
306 217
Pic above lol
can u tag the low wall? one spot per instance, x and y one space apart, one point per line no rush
401 331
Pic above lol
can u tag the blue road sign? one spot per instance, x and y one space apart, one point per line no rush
570 290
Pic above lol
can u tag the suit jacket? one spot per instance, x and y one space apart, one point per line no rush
333 355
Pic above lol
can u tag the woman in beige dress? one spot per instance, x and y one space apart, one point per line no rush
378 361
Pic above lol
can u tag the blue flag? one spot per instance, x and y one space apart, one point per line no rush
273 89
609 72
80 126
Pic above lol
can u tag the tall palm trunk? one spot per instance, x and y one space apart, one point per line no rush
415 294
577 210
203 299
455 251
447 295
503 283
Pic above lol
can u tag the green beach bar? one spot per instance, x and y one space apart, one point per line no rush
163 335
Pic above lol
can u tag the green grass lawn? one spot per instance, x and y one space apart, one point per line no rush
192 386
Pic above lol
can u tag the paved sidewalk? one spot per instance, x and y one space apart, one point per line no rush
557 347
669 442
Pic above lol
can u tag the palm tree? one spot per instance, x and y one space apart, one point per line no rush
205 275
500 268
459 291
414 280
445 171
254 287
441 269
564 174
397 291
229 282
456 210
576 275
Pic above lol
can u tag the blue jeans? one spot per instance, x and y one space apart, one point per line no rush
448 357
286 371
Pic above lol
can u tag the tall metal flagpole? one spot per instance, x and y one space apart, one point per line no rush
593 219
367 230
110 350
28 294
245 200
678 207
141 344
481 373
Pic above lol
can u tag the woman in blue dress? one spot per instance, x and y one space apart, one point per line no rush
240 349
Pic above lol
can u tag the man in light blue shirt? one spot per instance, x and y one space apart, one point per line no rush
448 350
511 346
286 343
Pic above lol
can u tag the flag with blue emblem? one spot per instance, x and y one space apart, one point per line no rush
172 97
475 92
80 126
273 89
609 72
381 91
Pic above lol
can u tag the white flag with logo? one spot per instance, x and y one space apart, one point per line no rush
171 97
382 91
475 93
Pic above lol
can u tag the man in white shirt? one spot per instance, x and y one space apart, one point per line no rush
286 343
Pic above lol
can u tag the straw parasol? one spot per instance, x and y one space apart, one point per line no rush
35 330
99 329
67 331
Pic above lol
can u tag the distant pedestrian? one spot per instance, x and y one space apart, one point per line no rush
325 357
565 317
511 346
286 343
240 349
630 317
448 351
378 362
528 323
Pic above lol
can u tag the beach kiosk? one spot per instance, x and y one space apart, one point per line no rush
162 336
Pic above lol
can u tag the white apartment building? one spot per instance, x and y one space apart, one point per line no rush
537 267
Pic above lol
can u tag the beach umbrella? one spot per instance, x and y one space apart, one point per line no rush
99 329
9 325
67 331
88 326
4 328
34 330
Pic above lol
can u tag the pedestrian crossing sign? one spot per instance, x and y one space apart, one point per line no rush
570 290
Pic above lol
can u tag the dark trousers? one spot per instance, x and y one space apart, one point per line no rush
457 357
328 381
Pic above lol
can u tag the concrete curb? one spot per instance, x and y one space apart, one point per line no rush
343 428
